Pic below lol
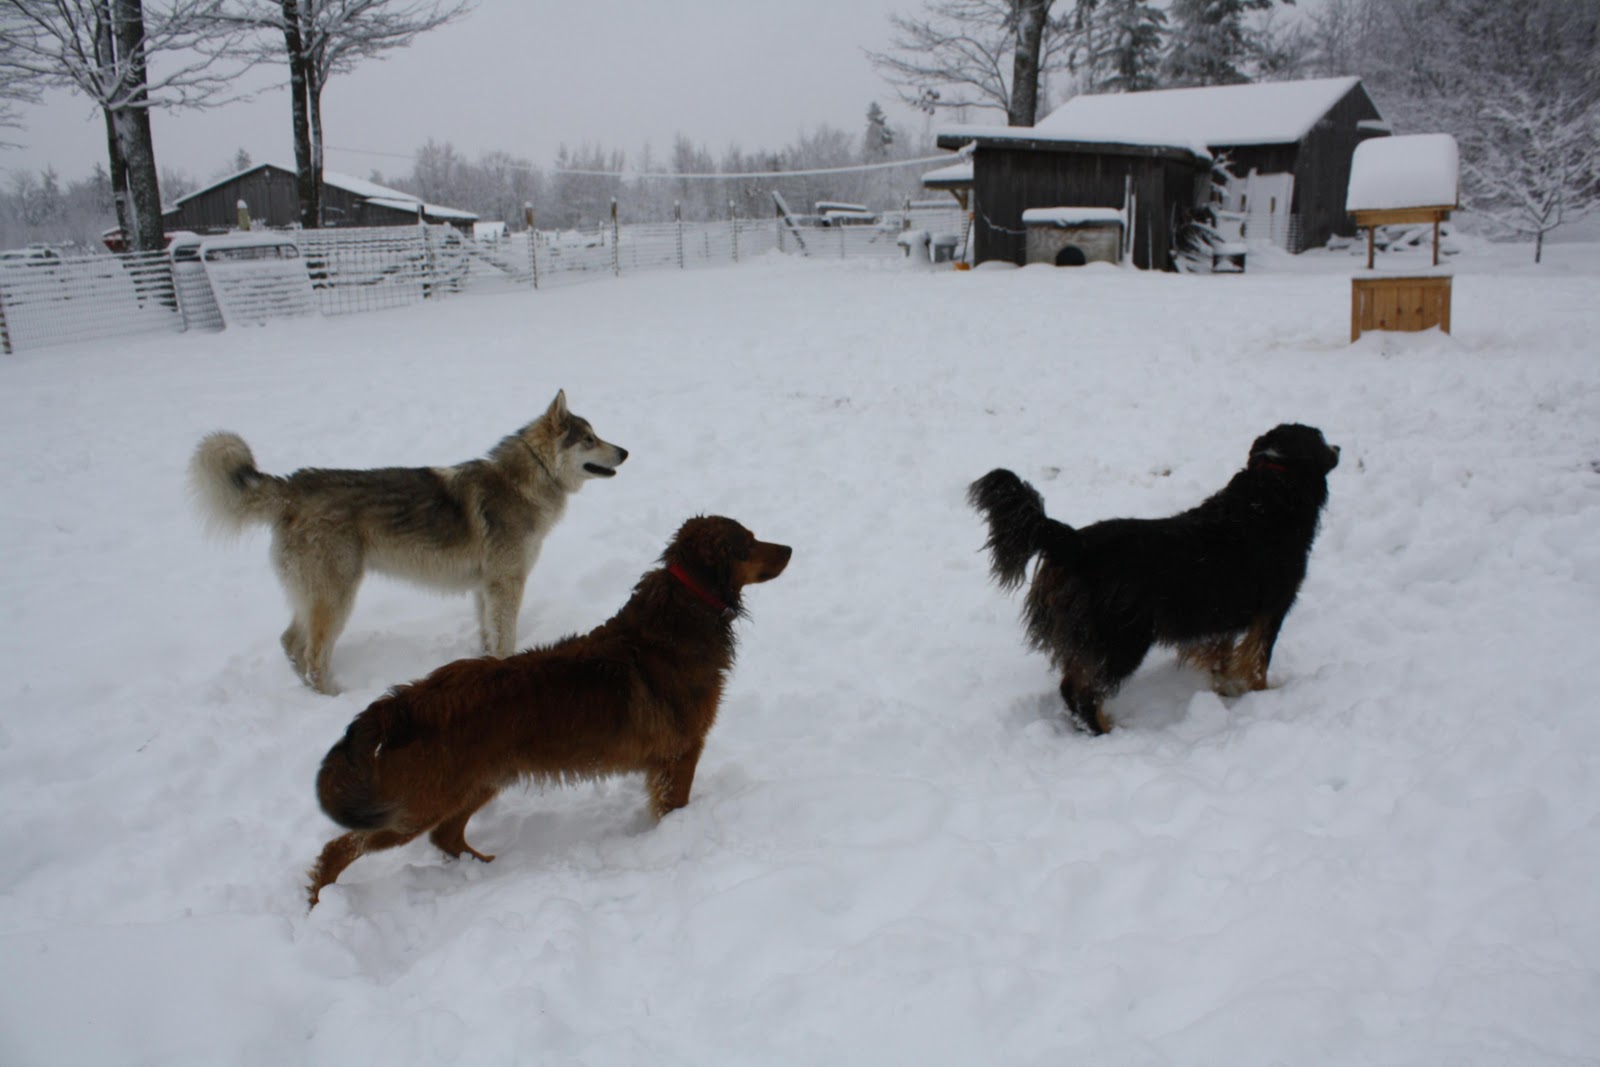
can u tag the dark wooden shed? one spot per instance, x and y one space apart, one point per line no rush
272 196
1012 172
1287 145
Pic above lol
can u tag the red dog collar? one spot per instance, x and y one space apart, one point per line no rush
699 590
1267 465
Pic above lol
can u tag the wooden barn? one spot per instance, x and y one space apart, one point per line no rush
1287 146
272 197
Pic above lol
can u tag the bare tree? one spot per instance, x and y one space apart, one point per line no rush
103 49
1539 166
984 54
324 38
16 86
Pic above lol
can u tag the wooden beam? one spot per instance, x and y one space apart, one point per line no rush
1400 216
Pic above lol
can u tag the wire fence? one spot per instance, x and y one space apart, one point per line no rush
210 283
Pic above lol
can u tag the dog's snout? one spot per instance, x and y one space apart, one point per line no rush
772 559
622 453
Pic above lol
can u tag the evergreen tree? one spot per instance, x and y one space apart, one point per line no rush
1210 43
879 136
1127 40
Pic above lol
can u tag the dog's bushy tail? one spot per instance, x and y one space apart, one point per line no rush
347 783
1018 526
229 490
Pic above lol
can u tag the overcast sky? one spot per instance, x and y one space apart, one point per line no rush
529 75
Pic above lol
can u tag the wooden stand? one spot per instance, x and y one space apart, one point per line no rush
1399 302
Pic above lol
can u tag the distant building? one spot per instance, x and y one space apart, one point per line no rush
1287 146
272 197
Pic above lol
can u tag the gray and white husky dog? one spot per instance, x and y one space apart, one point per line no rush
475 526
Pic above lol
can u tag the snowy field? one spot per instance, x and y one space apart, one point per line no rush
895 853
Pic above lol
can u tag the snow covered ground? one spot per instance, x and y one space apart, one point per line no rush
895 852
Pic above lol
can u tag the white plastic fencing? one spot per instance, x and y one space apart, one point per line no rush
48 299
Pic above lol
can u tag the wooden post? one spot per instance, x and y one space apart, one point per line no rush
533 240
616 252
733 224
427 253
1436 244
5 331
1372 232
244 214
677 214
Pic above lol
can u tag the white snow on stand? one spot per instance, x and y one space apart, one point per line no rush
1411 171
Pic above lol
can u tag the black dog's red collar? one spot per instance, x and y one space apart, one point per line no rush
699 590
1267 465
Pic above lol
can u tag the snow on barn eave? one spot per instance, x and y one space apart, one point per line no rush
955 176
1259 113
1398 173
219 183
1072 216
1105 141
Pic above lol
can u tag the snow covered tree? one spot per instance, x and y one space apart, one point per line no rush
1127 37
102 49
875 143
1210 42
1540 165
1517 84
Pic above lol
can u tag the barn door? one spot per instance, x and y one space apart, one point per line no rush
1268 198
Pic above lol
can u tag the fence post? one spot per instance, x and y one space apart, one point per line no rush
533 241
677 213
733 220
427 255
244 214
616 250
5 331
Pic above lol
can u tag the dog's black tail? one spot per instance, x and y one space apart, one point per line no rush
1018 526
347 784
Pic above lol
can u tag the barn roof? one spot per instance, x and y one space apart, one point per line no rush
371 191
1217 115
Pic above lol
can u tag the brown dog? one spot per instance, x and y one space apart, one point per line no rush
639 693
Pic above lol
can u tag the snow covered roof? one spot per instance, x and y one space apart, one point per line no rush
371 191
1215 116
386 197
1417 170
955 174
1107 139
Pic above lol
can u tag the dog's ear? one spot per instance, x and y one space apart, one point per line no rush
557 412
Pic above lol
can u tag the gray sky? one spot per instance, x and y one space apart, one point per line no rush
528 75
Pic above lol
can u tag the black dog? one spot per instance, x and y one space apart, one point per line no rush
1216 581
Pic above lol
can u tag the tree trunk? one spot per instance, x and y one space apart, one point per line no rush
119 182
1538 247
131 127
306 174
1029 18
105 54
314 95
